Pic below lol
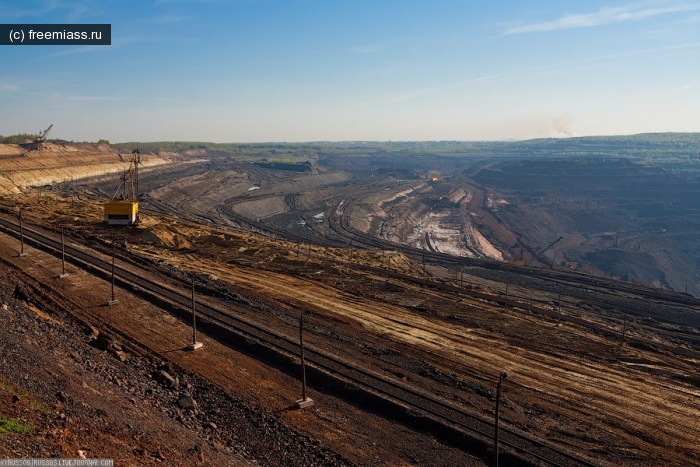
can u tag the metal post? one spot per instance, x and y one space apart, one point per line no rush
113 301
114 248
559 307
304 401
423 262
194 345
63 257
507 284
21 237
388 260
502 377
351 250
461 284
303 362
194 316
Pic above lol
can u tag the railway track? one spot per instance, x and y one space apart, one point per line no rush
344 234
447 415
339 224
644 296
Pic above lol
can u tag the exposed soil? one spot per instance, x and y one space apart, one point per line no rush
636 223
619 389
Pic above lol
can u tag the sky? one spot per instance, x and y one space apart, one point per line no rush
346 70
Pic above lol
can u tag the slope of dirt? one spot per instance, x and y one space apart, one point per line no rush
77 400
571 382
618 390
636 223
249 404
21 168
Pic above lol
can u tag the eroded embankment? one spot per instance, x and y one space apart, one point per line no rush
54 163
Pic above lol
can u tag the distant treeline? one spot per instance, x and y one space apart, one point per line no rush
546 146
17 139
21 138
676 152
311 148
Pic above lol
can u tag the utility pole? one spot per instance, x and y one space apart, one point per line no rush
305 401
63 257
21 239
559 307
113 301
388 260
502 377
194 345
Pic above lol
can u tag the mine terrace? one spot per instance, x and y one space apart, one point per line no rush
422 272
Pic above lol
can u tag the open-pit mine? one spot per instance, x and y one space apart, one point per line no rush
420 279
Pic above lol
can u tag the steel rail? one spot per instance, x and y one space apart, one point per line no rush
334 366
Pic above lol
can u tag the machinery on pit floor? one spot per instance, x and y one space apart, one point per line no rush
123 208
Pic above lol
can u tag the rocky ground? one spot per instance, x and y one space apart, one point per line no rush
137 378
72 391
573 380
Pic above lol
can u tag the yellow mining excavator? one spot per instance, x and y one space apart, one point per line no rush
123 208
41 139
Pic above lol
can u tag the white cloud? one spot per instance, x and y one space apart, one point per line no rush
603 16
553 68
9 88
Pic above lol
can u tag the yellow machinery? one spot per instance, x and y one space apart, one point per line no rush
123 208
41 139
118 212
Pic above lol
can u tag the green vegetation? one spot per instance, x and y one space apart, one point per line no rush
17 139
22 138
25 396
272 152
676 152
10 426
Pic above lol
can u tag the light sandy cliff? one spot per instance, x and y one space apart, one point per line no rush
21 168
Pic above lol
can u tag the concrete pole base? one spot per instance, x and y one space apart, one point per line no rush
304 403
195 346
113 302
63 276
